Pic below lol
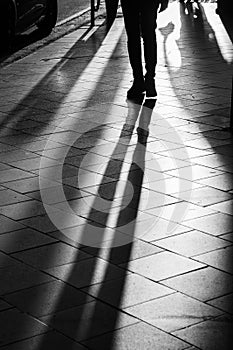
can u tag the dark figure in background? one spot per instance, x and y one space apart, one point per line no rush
140 17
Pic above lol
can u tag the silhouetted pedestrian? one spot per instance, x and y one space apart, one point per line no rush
140 17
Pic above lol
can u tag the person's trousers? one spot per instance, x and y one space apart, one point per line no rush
111 10
140 18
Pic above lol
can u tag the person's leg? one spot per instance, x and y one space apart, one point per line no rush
111 11
130 9
148 23
131 13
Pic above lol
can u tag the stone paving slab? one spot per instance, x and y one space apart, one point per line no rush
116 216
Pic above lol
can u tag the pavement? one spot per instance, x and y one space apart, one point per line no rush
70 8
116 216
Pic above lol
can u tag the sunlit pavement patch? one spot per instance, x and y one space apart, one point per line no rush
105 223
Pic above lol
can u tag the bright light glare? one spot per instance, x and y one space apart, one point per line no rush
222 38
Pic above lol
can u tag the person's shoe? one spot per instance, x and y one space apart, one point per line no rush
150 87
136 90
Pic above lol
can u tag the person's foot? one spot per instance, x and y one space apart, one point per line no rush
150 87
137 89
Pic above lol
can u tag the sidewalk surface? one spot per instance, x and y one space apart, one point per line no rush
116 218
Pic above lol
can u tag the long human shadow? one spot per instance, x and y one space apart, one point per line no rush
93 319
23 40
47 96
33 107
120 249
226 18
36 105
227 22
48 84
194 21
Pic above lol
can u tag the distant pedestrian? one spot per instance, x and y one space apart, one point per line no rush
140 17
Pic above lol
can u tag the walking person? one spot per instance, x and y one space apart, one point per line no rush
140 18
